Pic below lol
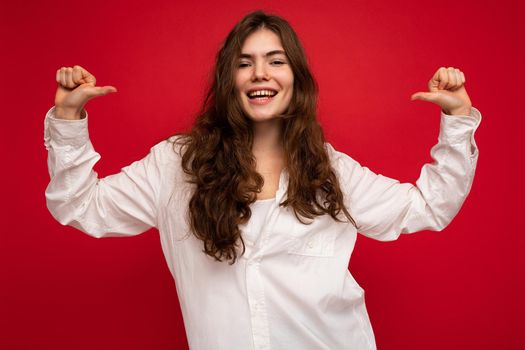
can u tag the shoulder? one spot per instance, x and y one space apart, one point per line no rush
169 148
347 168
332 152
166 154
339 159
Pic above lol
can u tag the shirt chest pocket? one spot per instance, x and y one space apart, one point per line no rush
316 239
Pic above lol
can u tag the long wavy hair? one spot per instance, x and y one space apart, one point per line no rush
218 155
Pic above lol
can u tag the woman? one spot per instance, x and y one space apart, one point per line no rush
254 184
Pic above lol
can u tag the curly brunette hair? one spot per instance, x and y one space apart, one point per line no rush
218 154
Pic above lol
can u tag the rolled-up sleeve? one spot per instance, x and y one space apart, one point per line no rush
122 204
383 208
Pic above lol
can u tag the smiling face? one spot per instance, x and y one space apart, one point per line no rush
263 78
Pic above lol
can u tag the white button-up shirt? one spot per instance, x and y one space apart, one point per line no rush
292 288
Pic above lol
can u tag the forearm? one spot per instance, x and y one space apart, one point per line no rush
69 114
445 184
384 208
116 205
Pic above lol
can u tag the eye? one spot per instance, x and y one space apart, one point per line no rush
278 63
243 65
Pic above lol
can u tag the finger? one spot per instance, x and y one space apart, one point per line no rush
100 91
63 81
57 76
433 83
443 78
69 78
424 96
459 80
109 89
451 74
463 77
86 76
77 75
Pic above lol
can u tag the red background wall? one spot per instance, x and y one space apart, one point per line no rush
461 288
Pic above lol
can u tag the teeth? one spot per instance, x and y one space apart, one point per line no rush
262 93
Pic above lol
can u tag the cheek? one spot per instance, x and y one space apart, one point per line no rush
289 96
238 82
240 100
289 86
286 79
241 96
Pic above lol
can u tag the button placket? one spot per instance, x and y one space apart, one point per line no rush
255 287
260 329
254 280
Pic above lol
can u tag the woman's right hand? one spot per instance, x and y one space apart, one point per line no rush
76 86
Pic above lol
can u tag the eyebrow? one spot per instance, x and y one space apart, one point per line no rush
268 54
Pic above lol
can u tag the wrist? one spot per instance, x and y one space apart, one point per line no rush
459 111
68 113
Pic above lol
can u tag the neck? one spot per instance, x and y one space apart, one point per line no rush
267 138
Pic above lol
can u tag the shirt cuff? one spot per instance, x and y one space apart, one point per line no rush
456 129
65 132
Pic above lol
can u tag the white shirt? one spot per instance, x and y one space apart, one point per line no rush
292 288
260 209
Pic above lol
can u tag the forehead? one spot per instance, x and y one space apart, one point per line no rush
261 42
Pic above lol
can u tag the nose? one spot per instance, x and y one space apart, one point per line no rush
260 71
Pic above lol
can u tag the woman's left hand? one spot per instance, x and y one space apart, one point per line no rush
447 90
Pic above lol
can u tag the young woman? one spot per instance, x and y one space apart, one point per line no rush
257 214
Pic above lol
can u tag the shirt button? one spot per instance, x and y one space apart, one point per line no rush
310 244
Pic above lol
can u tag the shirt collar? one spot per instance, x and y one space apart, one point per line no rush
283 186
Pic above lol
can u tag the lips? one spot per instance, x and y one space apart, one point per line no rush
260 100
261 93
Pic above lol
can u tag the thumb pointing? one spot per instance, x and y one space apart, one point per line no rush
102 90
108 89
424 96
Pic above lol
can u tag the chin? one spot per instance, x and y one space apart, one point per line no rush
262 117
259 116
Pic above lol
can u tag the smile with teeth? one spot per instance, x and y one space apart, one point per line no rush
262 94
